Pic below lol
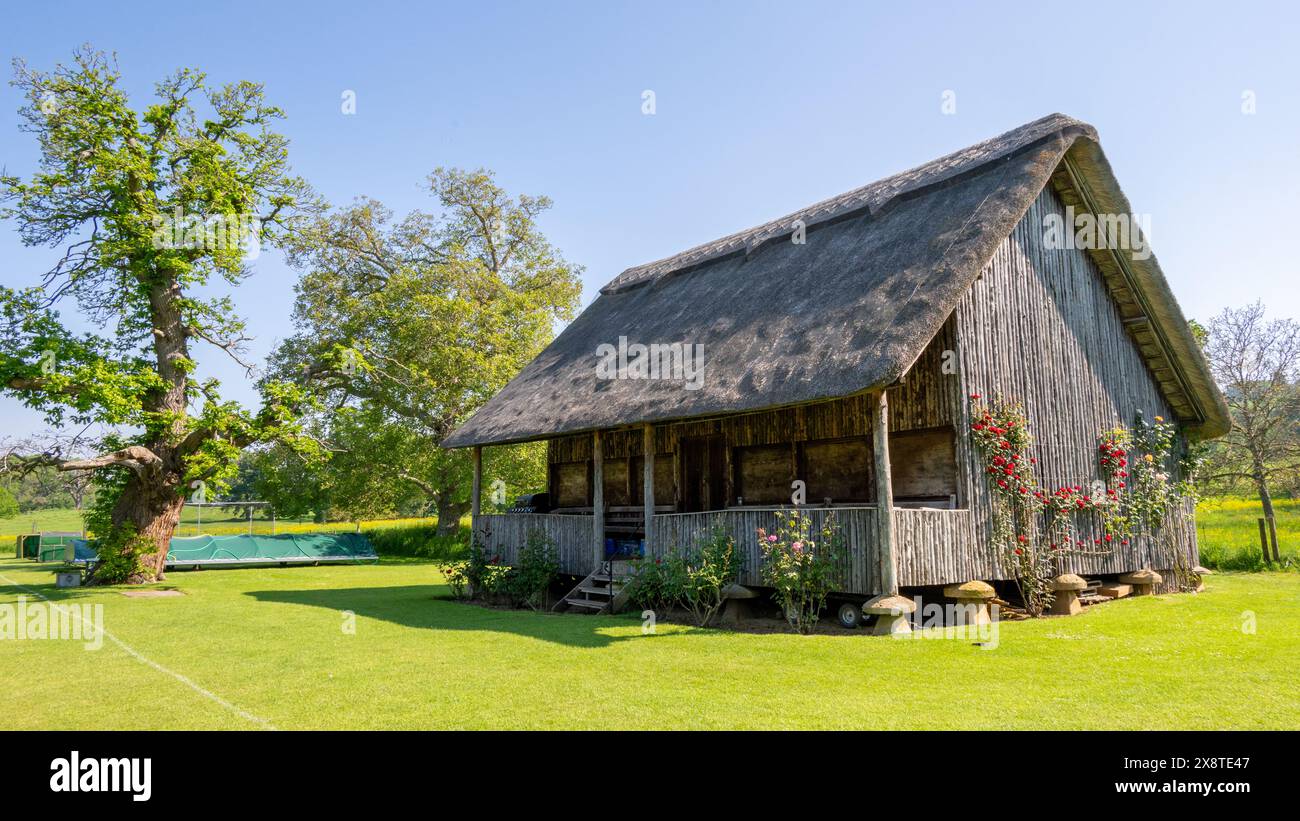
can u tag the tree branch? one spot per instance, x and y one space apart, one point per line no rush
137 458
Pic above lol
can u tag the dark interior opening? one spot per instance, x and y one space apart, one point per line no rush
703 479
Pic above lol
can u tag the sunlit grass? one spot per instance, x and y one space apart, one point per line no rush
380 646
1228 533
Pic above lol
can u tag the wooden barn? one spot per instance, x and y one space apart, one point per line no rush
838 346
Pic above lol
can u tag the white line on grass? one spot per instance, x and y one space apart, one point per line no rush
140 657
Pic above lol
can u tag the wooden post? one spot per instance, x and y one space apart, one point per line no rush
1263 538
476 489
597 498
648 459
886 560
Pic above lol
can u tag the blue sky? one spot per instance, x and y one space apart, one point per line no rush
761 108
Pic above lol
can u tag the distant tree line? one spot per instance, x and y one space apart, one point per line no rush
45 488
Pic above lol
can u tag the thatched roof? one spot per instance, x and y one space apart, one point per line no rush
848 311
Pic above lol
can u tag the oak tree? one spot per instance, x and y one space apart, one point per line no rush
151 210
406 326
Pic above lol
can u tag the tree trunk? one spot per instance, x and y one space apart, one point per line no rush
154 511
1265 500
449 513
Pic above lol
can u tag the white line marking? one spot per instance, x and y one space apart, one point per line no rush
135 654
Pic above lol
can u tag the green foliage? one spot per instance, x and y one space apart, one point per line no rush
45 488
422 542
523 585
120 549
801 566
406 326
655 584
693 578
539 565
8 504
494 583
457 575
714 564
477 566
1153 491
294 486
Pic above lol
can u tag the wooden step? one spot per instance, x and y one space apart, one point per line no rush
594 605
603 590
1115 591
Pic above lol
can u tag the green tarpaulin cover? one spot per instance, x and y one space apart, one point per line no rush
299 548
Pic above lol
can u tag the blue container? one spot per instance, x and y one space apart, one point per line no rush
624 548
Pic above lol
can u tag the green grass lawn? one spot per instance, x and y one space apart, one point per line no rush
270 644
64 519
1228 533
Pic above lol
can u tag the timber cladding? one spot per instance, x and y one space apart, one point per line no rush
926 466
839 469
1040 326
619 486
571 484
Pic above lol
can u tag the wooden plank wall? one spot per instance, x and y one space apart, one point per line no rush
939 547
857 527
1040 326
502 534
934 546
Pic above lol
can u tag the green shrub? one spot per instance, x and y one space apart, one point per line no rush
494 583
801 569
419 541
476 568
539 565
709 568
457 575
8 504
654 584
523 585
692 578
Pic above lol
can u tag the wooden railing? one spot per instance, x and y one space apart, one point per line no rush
938 547
857 526
502 534
932 547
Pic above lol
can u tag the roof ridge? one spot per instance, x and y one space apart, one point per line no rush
873 195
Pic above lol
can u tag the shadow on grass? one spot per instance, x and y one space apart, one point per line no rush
25 577
428 607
